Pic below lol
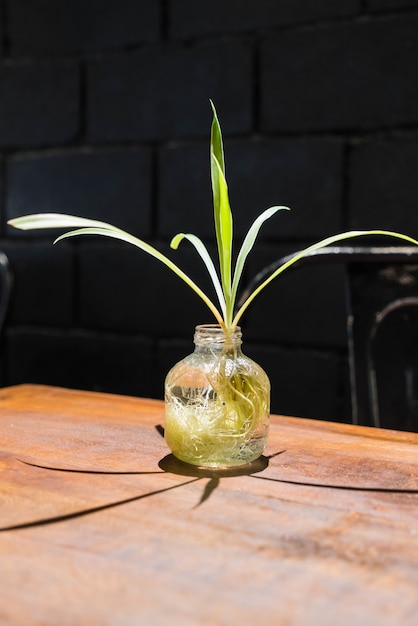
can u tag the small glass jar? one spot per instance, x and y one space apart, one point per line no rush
217 402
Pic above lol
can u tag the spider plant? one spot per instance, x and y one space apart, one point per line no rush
227 280
227 422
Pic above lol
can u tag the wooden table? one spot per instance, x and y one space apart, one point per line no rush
100 525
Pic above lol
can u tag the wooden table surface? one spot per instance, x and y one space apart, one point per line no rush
100 525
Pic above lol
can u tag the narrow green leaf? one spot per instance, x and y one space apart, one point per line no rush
248 244
216 202
216 161
316 246
94 227
216 142
55 220
222 211
203 252
224 236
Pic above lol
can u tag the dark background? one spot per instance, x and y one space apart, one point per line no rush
104 112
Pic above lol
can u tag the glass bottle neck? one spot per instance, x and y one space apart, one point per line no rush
213 337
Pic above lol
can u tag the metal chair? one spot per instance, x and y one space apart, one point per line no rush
382 329
6 287
5 293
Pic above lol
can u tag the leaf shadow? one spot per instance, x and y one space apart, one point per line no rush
96 509
208 490
173 465
169 464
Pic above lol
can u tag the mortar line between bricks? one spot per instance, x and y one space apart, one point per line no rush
389 133
123 52
361 17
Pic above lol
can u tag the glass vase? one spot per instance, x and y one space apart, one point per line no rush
217 402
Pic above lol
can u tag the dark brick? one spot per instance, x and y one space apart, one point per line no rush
112 186
43 286
39 104
185 192
164 92
303 383
49 27
303 174
189 19
124 289
345 76
81 360
384 186
302 307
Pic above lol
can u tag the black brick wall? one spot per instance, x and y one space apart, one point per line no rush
39 104
356 75
104 112
112 185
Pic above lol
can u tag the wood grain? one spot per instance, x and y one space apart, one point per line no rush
100 525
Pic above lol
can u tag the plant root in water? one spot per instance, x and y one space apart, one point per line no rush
223 427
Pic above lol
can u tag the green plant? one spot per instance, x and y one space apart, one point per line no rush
227 281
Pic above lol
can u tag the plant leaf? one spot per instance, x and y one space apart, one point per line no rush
222 211
202 250
216 163
248 244
93 227
216 142
224 236
316 246
55 220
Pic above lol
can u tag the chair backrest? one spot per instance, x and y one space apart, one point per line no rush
5 287
382 329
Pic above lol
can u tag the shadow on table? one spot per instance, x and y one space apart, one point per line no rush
170 465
